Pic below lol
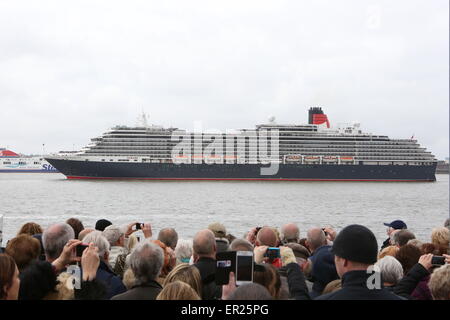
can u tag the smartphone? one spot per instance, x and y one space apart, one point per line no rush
138 226
244 267
225 263
80 248
272 253
437 261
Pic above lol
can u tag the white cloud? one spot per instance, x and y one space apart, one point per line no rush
67 72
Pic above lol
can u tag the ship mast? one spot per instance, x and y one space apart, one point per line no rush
142 120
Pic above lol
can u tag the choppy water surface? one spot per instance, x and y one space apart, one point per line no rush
192 205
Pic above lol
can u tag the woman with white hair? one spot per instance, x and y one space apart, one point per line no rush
113 283
183 251
118 248
391 271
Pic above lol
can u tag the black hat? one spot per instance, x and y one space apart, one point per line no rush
356 243
396 224
102 224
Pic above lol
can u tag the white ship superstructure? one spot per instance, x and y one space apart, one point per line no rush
13 162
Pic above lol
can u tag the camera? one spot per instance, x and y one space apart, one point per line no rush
80 248
272 253
437 261
138 226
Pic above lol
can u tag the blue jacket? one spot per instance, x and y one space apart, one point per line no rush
113 284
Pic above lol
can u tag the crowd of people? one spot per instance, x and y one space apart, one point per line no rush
109 262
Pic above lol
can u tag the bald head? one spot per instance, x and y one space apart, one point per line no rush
169 237
316 238
266 237
290 233
204 244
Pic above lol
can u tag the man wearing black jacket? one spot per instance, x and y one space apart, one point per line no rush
205 249
355 249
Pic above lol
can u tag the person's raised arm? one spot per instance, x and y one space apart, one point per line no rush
410 281
67 256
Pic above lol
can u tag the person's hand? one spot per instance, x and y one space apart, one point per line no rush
259 252
330 233
306 267
287 256
425 261
447 258
147 230
90 262
130 229
229 288
67 256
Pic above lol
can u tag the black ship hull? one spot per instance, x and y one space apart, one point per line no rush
287 172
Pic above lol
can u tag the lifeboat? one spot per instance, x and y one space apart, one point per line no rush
329 159
293 158
347 159
312 159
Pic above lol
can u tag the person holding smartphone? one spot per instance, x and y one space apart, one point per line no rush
204 254
420 272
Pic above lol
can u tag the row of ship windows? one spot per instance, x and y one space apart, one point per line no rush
243 152
255 146
309 139
281 147
246 134
305 141
359 159
20 162
282 152
359 155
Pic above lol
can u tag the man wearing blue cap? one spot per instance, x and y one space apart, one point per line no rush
394 225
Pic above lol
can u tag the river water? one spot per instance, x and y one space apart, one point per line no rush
47 198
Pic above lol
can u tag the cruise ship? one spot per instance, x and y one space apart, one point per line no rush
269 152
13 162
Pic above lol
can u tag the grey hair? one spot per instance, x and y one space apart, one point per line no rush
112 234
251 291
55 238
391 269
99 241
439 283
402 237
146 261
183 250
240 244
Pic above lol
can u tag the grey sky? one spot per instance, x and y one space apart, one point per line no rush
68 71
